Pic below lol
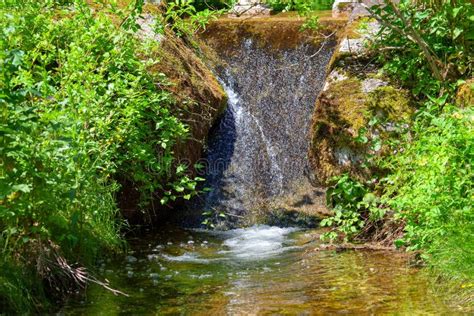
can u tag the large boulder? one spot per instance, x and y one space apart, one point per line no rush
357 110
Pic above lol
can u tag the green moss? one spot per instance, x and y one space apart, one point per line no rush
465 94
389 104
342 110
347 96
274 33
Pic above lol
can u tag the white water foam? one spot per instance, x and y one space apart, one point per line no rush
253 243
257 242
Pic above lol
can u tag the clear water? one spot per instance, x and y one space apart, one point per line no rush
257 270
258 149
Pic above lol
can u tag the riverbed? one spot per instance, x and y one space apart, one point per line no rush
256 270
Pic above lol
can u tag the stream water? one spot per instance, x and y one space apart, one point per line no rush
257 270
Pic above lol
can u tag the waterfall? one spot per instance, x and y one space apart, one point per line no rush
258 149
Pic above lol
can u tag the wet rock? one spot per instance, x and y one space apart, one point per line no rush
131 259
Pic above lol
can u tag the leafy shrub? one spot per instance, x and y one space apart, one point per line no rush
184 19
78 111
426 45
354 206
432 188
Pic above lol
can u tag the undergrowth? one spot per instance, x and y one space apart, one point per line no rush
78 111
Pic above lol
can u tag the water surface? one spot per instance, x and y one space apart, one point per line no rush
258 270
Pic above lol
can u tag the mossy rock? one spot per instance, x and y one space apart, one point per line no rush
273 33
200 100
465 94
200 97
342 110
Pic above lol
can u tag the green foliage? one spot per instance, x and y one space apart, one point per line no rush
353 205
78 111
427 179
212 217
300 5
214 5
182 17
427 46
432 187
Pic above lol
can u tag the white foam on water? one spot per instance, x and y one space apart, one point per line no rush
252 243
187 257
257 242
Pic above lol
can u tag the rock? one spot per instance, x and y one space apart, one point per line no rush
370 84
199 101
131 259
354 46
147 23
342 110
333 77
249 8
342 7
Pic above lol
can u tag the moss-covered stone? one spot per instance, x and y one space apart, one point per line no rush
465 94
342 110
276 33
199 102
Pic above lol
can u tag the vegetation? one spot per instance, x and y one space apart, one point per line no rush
427 45
299 5
80 114
427 186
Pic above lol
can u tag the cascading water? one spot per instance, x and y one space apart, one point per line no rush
259 148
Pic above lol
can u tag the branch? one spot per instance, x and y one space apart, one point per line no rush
412 35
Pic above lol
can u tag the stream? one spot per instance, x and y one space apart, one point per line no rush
257 154
256 270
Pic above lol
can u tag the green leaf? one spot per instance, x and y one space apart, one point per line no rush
26 188
457 31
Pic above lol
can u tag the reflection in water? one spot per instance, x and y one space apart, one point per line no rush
258 270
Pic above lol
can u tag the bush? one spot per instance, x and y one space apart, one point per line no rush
432 189
300 5
426 45
78 110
